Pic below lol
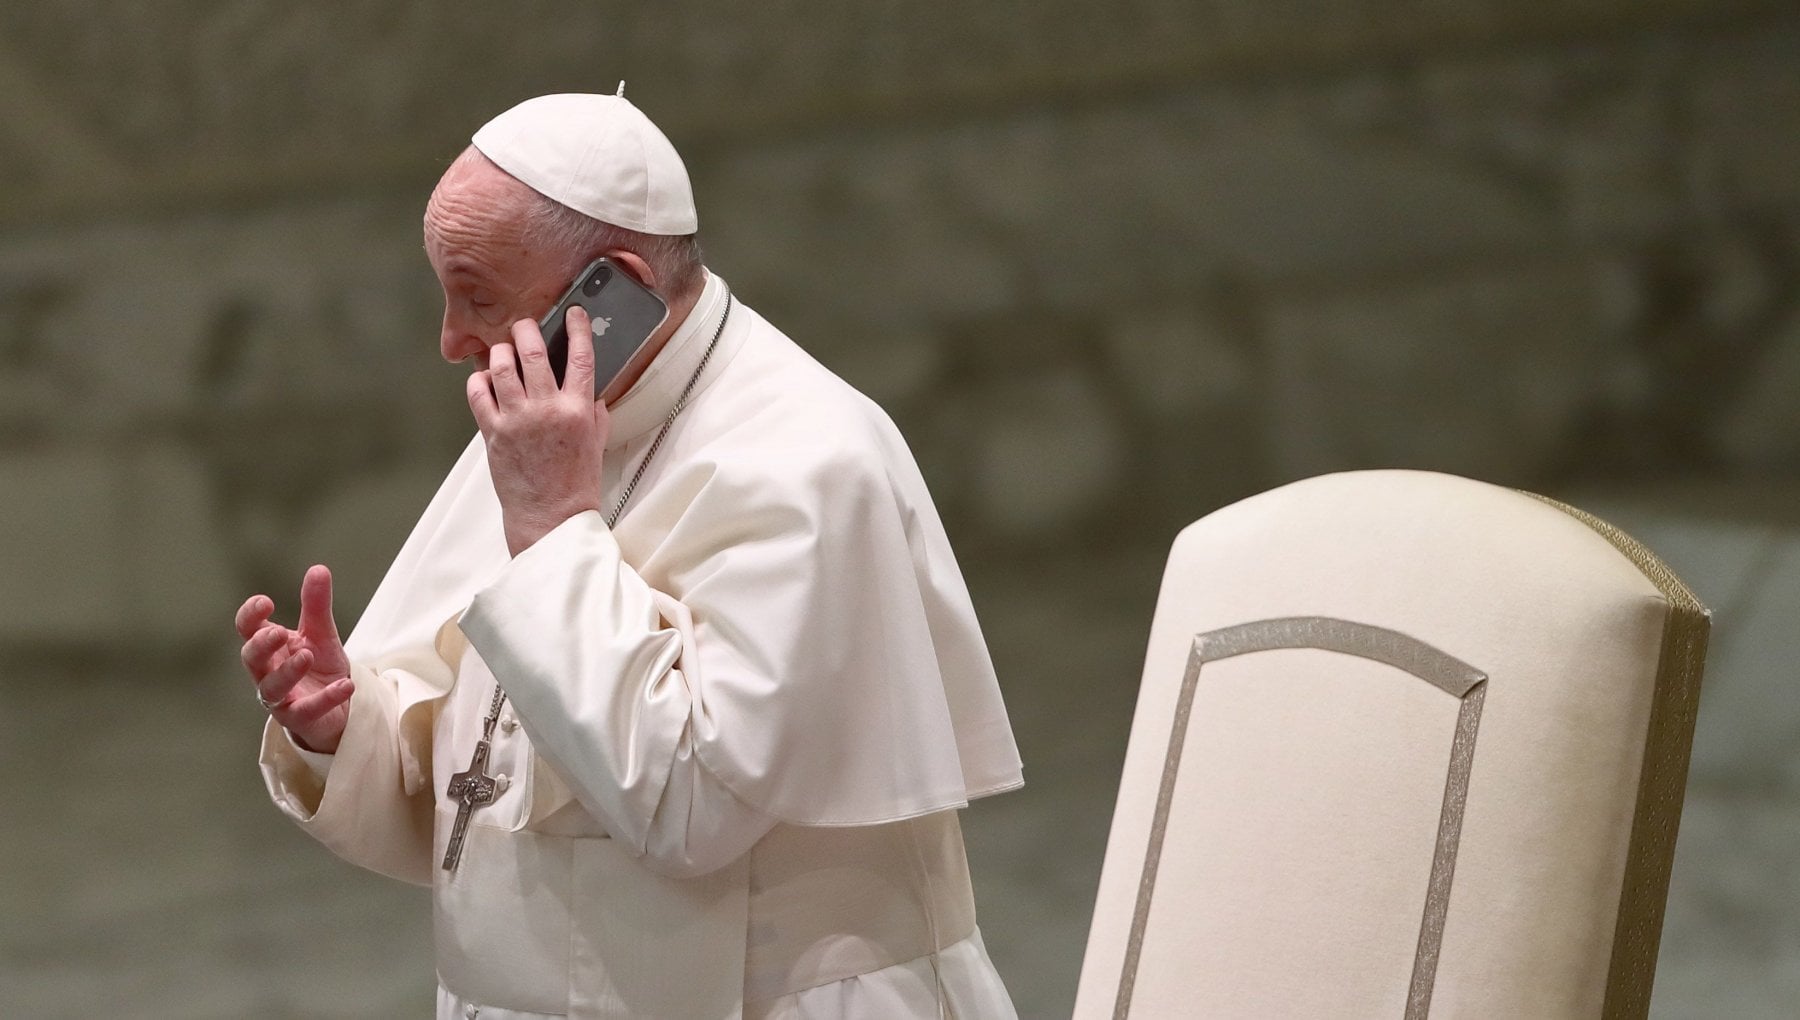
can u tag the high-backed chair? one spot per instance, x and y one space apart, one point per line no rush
1406 745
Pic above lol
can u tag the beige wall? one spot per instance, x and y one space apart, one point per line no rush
1108 270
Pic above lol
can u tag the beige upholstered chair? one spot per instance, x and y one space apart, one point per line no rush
1407 745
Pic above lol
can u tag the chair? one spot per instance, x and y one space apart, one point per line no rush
1406 745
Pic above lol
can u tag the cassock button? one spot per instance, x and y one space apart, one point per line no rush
501 783
509 722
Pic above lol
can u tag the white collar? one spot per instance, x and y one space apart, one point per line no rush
648 402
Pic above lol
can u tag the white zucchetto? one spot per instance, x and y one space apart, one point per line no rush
598 155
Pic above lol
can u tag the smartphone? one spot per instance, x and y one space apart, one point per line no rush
624 312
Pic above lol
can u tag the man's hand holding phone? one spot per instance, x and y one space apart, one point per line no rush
545 442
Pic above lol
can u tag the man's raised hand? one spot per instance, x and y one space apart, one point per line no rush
544 442
302 675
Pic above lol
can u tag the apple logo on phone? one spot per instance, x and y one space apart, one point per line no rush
600 324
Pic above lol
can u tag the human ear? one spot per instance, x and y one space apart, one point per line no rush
638 269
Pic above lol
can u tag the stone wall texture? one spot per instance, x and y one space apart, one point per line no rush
1109 267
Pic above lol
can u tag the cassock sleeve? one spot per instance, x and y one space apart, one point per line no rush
785 669
592 658
373 806
318 761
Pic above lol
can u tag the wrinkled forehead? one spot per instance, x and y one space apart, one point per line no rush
474 203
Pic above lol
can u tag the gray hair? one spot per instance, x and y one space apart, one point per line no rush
579 239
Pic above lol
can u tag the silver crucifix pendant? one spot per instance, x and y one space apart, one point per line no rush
474 788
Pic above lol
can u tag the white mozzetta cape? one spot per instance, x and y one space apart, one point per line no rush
775 635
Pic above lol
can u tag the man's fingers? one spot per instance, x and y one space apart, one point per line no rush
274 687
261 647
503 375
316 620
534 360
481 402
310 708
252 614
578 374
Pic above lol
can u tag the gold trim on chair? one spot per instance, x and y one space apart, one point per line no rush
1662 781
1410 655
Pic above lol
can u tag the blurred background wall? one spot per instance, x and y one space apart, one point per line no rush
1109 266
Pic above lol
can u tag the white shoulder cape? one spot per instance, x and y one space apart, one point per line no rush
836 670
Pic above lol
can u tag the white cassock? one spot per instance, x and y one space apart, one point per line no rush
740 723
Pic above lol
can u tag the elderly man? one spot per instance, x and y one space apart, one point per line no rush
671 702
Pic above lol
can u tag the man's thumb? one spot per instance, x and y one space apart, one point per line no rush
315 603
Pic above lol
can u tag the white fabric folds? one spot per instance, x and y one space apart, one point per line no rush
778 600
775 632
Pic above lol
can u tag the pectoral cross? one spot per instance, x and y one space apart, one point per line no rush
473 787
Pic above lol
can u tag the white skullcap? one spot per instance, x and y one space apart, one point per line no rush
595 154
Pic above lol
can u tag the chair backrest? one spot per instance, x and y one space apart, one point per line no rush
1406 744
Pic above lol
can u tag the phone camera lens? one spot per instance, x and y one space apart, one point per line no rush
596 281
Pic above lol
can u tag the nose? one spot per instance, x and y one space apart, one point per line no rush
458 344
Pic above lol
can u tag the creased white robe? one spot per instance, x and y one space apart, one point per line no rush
774 639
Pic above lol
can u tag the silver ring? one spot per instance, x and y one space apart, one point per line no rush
269 705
